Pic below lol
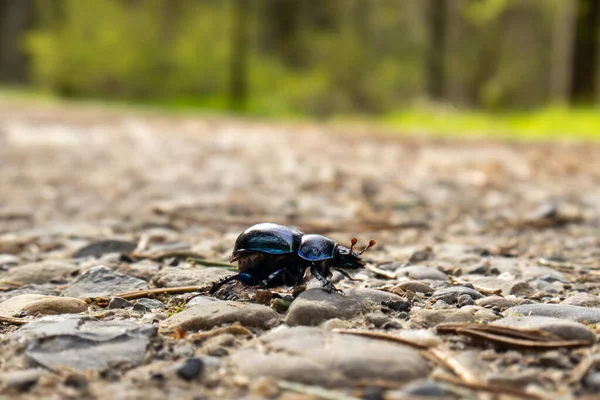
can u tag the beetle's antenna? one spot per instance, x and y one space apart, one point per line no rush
372 243
353 241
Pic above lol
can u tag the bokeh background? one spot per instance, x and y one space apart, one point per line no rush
520 67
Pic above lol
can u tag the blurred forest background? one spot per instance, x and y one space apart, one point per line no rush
310 57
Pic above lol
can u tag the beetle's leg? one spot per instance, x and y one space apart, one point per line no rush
326 284
269 278
223 281
347 275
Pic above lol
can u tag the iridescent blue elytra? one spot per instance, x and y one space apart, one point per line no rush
270 255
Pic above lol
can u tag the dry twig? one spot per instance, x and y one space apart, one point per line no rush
12 320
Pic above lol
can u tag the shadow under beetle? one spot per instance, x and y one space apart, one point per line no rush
271 255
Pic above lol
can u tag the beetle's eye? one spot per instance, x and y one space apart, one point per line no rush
344 250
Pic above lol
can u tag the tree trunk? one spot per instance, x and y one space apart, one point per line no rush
563 36
238 90
16 17
436 21
585 58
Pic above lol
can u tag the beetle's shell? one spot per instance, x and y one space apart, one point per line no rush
268 238
316 248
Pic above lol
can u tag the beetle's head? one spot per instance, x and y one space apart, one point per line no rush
349 259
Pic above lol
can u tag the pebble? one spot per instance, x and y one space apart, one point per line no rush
21 380
583 300
563 311
118 302
39 272
465 300
192 369
413 286
31 304
147 305
101 281
315 306
420 272
450 295
209 315
80 343
499 301
8 260
319 357
563 328
465 314
191 276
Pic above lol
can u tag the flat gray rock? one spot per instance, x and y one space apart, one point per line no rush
31 304
420 272
583 299
100 248
211 314
562 328
191 276
450 295
314 306
563 311
102 281
80 343
39 273
318 357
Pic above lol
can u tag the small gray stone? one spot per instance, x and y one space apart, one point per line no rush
562 328
39 273
563 311
101 281
314 306
80 343
583 300
118 302
217 313
450 295
192 276
147 305
429 390
508 286
318 357
420 272
465 300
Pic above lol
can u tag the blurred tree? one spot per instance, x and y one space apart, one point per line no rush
436 69
16 16
585 58
563 37
238 89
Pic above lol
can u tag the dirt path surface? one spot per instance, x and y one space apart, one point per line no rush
486 274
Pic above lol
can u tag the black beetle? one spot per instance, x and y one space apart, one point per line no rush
270 255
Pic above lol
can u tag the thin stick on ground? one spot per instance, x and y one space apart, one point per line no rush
495 389
12 320
152 292
384 336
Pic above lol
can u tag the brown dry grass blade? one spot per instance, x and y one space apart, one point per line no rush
528 334
514 337
383 336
